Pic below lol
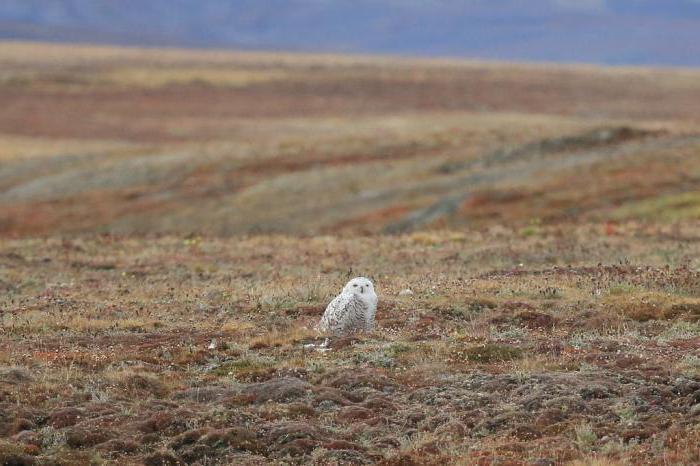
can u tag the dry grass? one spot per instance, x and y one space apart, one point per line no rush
284 337
596 462
547 233
509 346
231 143
14 147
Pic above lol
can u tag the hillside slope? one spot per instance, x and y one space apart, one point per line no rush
136 141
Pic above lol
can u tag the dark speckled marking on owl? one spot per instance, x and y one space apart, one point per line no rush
349 312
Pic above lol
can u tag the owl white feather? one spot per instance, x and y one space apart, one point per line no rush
352 310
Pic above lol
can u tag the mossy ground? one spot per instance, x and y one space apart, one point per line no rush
569 345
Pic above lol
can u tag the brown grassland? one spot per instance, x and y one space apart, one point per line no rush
173 223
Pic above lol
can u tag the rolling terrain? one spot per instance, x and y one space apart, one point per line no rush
138 141
173 223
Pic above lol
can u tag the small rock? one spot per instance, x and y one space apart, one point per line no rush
406 292
695 410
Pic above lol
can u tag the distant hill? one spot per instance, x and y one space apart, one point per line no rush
665 32
144 141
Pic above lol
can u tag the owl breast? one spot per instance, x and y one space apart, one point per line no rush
347 314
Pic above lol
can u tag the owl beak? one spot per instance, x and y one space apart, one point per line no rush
362 289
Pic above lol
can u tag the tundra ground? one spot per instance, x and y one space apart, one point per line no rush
173 223
543 346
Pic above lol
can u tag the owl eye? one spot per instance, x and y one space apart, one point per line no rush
355 285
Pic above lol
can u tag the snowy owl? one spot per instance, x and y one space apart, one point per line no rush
352 310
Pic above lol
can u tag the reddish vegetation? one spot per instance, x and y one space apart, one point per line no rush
326 91
378 141
530 364
170 243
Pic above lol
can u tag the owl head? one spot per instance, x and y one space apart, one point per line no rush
360 286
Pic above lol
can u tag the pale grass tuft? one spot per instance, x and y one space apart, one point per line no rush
237 326
538 363
289 295
15 147
38 322
418 440
689 366
429 238
596 461
52 438
585 437
680 331
277 338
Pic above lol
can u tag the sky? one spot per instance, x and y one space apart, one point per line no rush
616 32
